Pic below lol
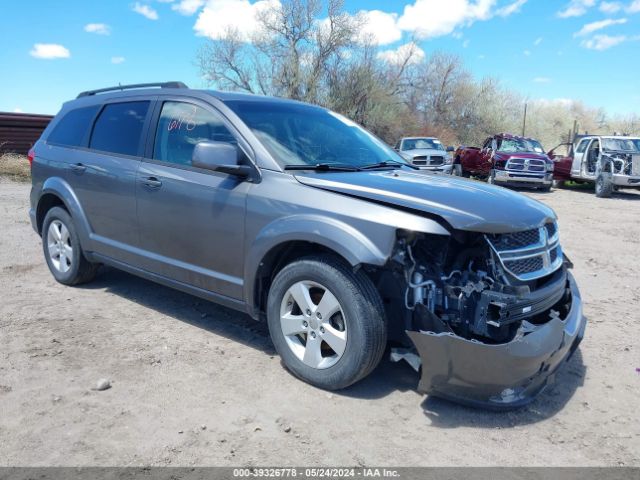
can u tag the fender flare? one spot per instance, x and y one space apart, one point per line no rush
333 234
61 189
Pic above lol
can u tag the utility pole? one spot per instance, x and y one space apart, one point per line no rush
524 119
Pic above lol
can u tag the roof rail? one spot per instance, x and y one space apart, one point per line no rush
135 85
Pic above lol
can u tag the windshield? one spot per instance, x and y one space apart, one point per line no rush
299 134
621 144
421 143
511 145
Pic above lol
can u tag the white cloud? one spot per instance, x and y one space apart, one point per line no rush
603 42
634 7
49 51
409 51
542 80
434 18
527 53
610 7
220 15
511 8
18 110
98 28
117 60
145 10
599 25
538 41
576 8
380 27
188 7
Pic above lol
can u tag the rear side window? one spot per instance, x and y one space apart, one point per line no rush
181 126
72 129
582 146
119 127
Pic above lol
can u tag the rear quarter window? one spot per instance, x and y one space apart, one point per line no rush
72 128
118 128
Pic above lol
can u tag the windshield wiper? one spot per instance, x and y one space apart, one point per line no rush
388 164
324 167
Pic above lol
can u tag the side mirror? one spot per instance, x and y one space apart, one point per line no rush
450 149
219 157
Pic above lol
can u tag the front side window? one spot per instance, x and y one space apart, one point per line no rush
298 134
118 129
73 127
181 126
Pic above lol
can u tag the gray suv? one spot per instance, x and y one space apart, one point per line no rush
297 216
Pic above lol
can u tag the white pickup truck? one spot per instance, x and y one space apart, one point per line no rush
611 162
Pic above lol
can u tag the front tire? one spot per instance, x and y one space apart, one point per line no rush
326 322
62 251
604 186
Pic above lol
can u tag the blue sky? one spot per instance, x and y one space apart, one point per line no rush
552 49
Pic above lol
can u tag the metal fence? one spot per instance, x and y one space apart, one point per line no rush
19 131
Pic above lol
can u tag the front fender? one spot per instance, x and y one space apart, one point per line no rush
333 234
60 188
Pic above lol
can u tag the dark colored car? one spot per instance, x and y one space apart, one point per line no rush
297 216
507 159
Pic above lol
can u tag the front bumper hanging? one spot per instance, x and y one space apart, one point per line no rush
499 376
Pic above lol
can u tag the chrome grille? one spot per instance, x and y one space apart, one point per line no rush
528 254
531 165
426 160
635 165
527 265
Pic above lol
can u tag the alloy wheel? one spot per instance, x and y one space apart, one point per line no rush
313 324
59 246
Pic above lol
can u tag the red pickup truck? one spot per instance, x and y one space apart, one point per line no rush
506 159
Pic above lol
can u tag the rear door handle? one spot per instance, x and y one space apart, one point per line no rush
152 182
78 167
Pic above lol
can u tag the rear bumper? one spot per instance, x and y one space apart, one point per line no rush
499 376
32 217
540 179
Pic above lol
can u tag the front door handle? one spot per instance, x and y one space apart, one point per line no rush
152 182
78 167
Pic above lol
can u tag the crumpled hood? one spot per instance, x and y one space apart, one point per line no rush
463 204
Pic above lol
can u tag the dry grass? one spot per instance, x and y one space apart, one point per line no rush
15 167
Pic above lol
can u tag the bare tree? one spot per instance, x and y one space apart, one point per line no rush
312 50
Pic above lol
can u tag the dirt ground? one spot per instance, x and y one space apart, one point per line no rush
197 384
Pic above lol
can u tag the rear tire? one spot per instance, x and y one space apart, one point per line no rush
62 251
339 348
545 188
604 186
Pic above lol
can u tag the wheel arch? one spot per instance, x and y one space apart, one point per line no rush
286 239
57 192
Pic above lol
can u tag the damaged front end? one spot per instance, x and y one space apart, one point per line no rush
491 317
